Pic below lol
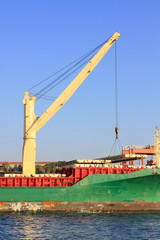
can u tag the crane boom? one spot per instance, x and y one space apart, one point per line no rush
32 123
73 86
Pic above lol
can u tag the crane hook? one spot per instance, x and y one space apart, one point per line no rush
116 131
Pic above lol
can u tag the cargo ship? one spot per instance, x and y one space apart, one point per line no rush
84 186
87 186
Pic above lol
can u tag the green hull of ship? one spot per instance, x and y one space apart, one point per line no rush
143 185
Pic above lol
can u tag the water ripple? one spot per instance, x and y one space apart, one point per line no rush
79 226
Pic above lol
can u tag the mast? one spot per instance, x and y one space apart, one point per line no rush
157 147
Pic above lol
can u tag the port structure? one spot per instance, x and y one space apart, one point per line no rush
147 150
138 150
33 123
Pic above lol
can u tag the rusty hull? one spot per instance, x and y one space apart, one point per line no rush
80 207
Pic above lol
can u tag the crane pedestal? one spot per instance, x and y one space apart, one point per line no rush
29 142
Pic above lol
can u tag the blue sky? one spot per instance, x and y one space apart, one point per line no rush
40 37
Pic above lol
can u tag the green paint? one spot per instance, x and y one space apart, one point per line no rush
142 185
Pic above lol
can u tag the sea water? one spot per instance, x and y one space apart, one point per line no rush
79 226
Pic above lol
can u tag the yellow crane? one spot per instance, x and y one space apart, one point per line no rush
32 123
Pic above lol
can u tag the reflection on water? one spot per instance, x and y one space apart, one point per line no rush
79 226
30 227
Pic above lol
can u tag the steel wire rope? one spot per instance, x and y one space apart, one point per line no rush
40 95
55 80
116 88
66 66
62 79
112 148
42 90
50 99
119 147
46 97
117 141
55 73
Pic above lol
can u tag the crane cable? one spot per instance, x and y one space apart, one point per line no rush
58 80
116 94
77 62
55 82
117 141
116 103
